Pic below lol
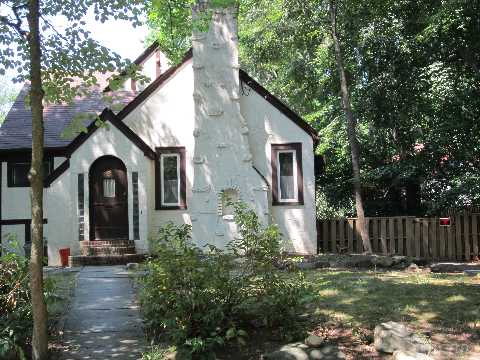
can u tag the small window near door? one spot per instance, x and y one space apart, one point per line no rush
170 179
109 188
287 179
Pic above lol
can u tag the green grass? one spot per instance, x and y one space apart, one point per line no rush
366 298
360 300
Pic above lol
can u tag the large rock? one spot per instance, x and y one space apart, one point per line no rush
400 355
300 351
391 336
413 268
314 341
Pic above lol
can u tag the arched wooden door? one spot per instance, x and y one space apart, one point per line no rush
108 199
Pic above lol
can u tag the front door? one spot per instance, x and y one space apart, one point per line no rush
108 199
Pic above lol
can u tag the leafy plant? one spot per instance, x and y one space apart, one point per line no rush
15 300
201 299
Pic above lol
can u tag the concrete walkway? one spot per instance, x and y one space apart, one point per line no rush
104 320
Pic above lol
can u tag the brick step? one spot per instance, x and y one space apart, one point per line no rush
76 261
112 242
107 250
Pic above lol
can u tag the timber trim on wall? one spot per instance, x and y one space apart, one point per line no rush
108 115
280 106
55 174
150 89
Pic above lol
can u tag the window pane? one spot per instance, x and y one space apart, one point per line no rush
170 179
287 181
20 174
109 188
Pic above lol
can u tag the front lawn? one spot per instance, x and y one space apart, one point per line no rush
445 307
348 304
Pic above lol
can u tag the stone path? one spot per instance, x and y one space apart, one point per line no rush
104 320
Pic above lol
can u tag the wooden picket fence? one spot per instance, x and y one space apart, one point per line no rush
405 235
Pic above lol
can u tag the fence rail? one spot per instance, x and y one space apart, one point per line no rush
405 235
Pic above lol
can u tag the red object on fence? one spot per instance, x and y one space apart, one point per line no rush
64 254
445 221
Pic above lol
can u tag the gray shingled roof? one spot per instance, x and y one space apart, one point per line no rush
16 130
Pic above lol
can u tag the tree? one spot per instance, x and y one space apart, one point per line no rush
7 97
51 61
351 128
410 69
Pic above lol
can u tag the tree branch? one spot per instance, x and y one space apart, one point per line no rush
17 26
53 28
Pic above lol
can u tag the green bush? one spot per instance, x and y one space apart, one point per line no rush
15 301
15 305
202 298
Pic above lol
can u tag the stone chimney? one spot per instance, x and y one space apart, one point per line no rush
222 159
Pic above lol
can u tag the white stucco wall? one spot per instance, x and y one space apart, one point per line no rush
62 198
166 118
269 126
16 205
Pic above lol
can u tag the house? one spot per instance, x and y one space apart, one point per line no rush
200 130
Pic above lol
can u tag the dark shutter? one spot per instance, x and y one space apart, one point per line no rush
81 207
136 219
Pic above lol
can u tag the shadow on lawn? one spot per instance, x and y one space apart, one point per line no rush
366 299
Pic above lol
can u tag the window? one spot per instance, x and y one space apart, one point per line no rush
170 178
170 175
109 188
287 175
17 172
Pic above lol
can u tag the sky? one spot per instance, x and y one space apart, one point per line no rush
117 35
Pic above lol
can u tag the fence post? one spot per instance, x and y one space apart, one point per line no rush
333 235
409 235
400 236
391 232
325 235
350 227
426 240
458 237
341 234
475 236
466 237
417 241
451 244
433 232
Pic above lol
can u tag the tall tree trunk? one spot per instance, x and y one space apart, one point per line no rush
351 129
39 309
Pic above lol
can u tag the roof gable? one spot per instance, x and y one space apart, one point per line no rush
16 131
108 116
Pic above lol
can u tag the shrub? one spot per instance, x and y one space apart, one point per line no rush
15 301
15 306
202 298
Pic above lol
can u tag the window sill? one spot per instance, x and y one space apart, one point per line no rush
293 203
175 207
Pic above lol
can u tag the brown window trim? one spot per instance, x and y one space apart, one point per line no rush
297 148
158 179
27 160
